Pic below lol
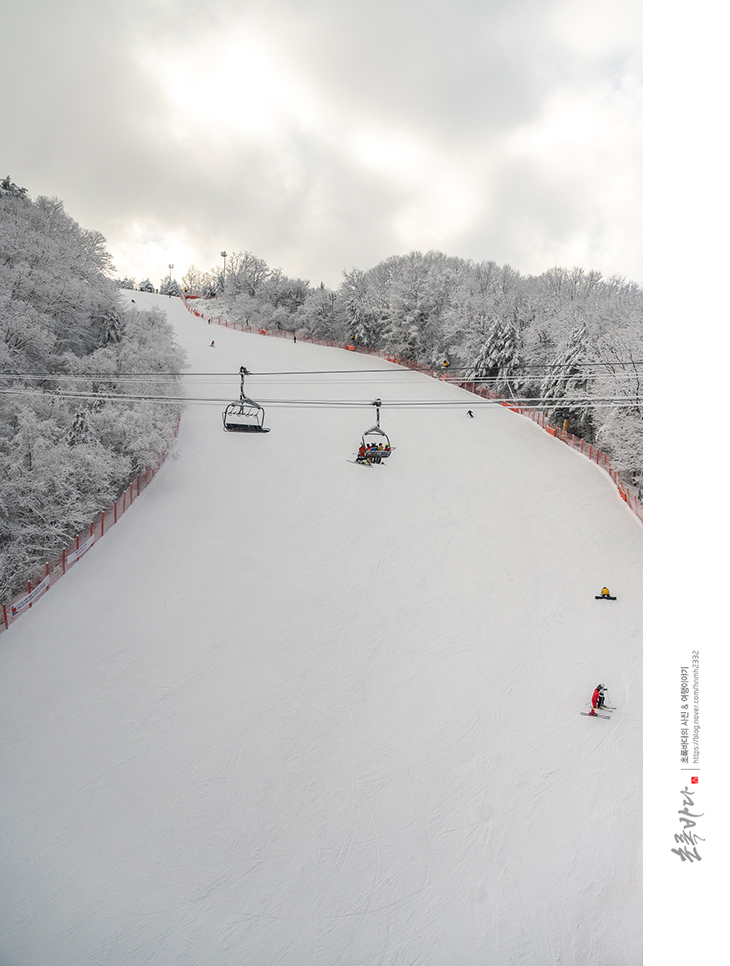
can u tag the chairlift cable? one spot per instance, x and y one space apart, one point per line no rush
332 404
298 372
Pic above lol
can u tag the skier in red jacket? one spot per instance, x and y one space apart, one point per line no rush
598 698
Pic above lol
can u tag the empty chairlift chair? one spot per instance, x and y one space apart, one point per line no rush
245 415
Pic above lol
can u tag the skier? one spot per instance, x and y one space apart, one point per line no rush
597 699
213 342
605 592
470 413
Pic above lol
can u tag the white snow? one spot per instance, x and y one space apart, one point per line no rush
294 711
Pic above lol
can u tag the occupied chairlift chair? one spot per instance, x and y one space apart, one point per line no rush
244 415
375 436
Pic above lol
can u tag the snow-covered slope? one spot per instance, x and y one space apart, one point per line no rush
295 711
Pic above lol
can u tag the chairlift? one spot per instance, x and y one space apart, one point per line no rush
375 440
245 415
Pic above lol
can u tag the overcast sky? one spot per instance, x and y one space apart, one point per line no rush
323 135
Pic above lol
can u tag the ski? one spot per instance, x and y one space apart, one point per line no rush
589 715
604 597
360 463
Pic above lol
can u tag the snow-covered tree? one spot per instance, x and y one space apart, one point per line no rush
8 188
170 286
196 282
64 333
320 317
79 432
363 313
567 384
245 272
498 360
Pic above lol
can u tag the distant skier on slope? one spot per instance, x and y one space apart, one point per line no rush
470 413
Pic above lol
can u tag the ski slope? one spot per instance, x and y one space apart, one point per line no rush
294 711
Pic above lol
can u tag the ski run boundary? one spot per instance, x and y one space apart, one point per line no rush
592 453
80 545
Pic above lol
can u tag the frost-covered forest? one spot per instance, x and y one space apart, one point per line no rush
68 445
568 340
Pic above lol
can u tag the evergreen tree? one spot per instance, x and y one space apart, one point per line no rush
567 381
498 359
170 286
79 432
8 188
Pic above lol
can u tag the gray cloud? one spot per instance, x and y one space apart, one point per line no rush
369 130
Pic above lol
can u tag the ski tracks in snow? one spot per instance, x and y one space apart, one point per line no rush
315 714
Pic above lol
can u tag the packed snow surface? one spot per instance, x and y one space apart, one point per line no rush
292 711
